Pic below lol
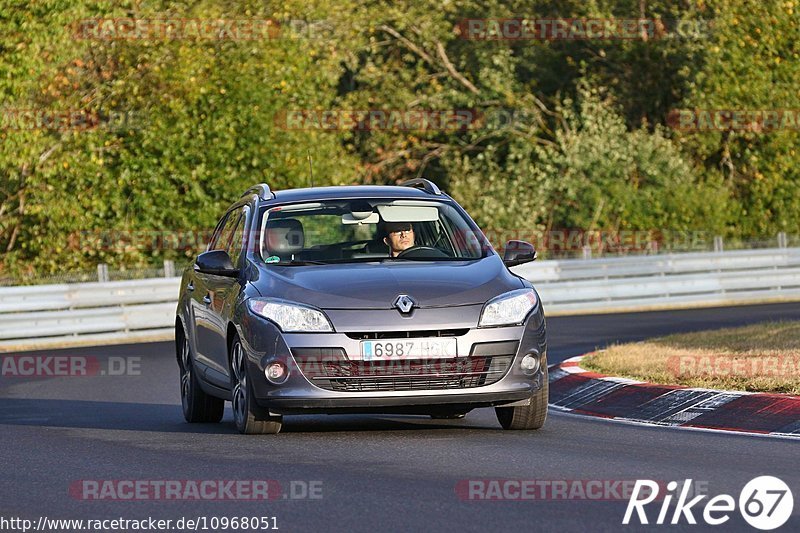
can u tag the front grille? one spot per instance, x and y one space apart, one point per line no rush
404 375
374 335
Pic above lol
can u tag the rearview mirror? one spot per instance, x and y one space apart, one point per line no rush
217 263
518 252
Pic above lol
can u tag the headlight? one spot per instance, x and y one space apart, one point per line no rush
508 309
291 316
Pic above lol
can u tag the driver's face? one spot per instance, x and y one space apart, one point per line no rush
400 240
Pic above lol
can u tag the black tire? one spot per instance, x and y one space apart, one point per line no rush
249 417
197 405
530 416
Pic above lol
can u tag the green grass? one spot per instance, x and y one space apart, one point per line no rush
757 358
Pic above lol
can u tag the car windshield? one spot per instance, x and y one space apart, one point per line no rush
364 230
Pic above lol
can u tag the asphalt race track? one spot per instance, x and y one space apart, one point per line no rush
392 473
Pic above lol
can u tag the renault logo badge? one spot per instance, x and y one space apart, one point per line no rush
404 303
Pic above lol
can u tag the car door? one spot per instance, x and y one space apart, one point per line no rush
222 294
201 301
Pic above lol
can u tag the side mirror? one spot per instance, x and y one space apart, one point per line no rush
518 252
217 263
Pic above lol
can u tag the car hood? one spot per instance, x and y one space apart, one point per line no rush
376 286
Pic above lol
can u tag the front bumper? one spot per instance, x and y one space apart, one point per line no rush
418 403
302 393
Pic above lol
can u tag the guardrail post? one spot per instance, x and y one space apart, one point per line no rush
718 245
102 272
782 239
587 252
169 268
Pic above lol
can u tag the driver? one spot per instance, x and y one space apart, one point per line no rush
399 237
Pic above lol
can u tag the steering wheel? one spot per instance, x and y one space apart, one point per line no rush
422 252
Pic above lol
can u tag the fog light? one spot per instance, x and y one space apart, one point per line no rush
530 363
276 372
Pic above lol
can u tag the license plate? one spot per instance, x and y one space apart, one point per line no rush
422 348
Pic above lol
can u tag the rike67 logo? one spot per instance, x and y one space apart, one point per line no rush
765 503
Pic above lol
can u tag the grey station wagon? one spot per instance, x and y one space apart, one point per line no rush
358 299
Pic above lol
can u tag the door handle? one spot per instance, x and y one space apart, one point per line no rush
190 286
207 299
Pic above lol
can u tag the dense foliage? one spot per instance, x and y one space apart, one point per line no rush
565 133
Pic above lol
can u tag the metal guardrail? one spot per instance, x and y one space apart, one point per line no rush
641 282
116 311
138 309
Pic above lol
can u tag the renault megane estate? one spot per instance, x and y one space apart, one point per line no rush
358 299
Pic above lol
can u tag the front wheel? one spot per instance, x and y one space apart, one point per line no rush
197 405
250 418
531 416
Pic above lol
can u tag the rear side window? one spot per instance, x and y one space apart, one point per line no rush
212 245
223 237
237 239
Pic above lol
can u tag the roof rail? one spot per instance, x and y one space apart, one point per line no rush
424 184
262 190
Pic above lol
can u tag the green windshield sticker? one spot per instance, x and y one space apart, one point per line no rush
272 259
